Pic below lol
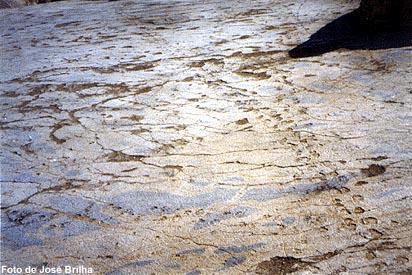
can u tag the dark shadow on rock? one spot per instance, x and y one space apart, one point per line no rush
351 32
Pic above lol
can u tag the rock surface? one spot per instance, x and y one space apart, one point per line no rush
179 137
5 4
382 13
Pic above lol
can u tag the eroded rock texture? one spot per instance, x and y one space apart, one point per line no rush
180 137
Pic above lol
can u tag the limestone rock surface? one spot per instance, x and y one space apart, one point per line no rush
175 137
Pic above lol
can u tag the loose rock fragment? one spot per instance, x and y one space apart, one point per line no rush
373 170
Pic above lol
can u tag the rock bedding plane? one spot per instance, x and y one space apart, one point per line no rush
175 137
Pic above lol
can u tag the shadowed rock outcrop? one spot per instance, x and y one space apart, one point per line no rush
374 25
386 13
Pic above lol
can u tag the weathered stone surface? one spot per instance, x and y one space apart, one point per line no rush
5 4
179 137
